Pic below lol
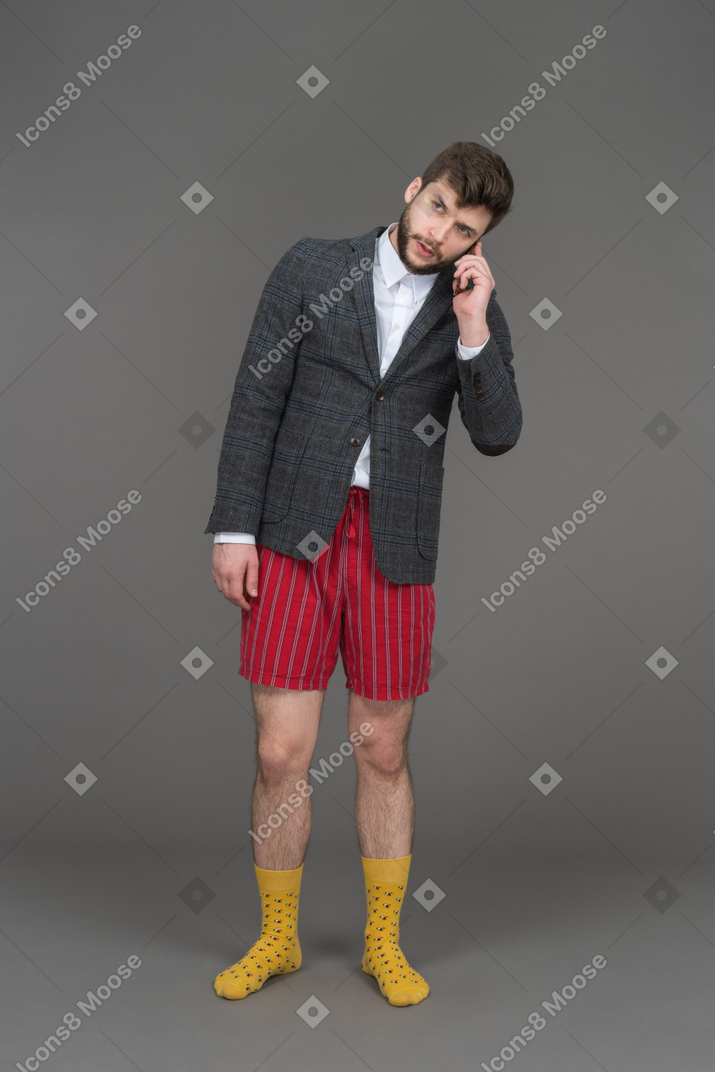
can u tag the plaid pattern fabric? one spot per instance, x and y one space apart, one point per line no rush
308 393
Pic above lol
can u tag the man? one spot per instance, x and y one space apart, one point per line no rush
346 384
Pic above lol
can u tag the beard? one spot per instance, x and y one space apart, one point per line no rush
404 232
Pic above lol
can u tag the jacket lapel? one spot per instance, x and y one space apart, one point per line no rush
364 246
433 307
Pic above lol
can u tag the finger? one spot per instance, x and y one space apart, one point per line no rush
463 268
470 271
473 253
237 597
252 579
469 262
230 589
236 592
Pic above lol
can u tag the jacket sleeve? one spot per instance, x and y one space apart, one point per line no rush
487 396
262 385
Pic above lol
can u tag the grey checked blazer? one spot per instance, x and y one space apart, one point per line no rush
308 393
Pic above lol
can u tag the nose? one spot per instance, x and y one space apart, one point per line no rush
439 234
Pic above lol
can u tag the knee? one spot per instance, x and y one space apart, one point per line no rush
280 757
384 751
385 757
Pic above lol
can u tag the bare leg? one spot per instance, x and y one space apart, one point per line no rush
287 723
384 802
286 730
384 816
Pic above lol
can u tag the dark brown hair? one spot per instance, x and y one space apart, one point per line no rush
478 177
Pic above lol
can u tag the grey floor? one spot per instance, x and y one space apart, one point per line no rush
507 933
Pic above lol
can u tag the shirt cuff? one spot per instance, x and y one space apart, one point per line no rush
468 352
234 537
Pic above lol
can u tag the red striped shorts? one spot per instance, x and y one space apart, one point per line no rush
306 610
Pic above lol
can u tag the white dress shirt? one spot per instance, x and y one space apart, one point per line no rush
399 296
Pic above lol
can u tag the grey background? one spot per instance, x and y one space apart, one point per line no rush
617 858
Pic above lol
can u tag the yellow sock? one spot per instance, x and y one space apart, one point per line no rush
277 950
385 885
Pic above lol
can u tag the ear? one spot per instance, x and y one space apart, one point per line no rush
410 196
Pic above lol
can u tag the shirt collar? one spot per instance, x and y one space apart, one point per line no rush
393 270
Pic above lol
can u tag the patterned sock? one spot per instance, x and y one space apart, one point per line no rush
385 885
277 950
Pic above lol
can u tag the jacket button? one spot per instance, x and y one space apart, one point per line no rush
354 442
379 396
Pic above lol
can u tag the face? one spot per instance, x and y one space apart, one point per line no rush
447 232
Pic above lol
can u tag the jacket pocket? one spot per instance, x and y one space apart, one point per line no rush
281 481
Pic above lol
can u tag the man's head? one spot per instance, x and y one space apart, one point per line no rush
464 193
